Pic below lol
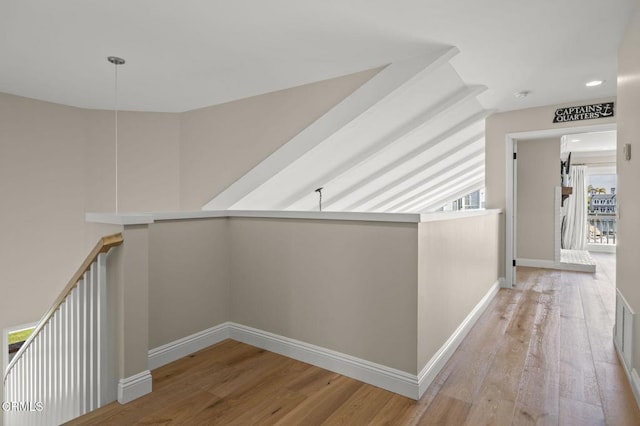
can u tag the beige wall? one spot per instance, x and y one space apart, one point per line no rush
458 264
628 250
189 278
389 293
219 144
58 162
42 204
148 161
346 286
538 176
128 279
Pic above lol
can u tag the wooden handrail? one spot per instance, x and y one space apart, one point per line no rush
103 246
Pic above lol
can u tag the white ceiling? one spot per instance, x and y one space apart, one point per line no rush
590 144
409 140
188 54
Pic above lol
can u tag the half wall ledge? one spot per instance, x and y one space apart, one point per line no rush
380 297
148 218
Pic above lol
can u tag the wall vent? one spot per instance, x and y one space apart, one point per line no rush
623 330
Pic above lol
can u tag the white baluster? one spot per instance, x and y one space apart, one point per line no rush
92 332
103 356
71 351
84 348
65 367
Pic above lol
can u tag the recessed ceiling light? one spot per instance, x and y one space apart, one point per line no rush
522 94
594 83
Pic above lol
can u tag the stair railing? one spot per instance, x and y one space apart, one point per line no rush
62 370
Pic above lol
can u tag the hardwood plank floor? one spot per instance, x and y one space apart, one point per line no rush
541 354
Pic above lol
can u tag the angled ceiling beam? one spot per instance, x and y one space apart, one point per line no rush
454 178
475 186
475 155
459 97
402 160
383 84
451 189
399 164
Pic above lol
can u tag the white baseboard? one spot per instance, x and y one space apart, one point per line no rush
134 387
391 379
601 248
388 378
550 264
635 385
437 362
623 336
632 376
187 345
536 263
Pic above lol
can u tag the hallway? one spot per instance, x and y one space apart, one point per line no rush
549 360
541 354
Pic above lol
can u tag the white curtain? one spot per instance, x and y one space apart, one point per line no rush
575 227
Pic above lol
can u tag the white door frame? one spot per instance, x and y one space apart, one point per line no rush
511 196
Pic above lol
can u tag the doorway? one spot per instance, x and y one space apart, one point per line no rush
511 185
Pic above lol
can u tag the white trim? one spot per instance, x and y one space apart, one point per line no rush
510 172
502 282
537 263
510 211
391 379
459 214
634 379
557 213
134 387
635 384
601 248
180 348
388 378
438 361
148 218
551 264
623 336
120 218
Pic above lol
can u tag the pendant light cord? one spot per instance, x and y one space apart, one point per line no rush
116 61
116 127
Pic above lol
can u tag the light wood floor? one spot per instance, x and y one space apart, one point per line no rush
541 354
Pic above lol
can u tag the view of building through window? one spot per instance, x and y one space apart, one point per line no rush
601 194
601 208
474 200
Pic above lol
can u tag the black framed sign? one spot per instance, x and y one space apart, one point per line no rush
584 112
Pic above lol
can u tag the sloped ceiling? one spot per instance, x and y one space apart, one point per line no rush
409 140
